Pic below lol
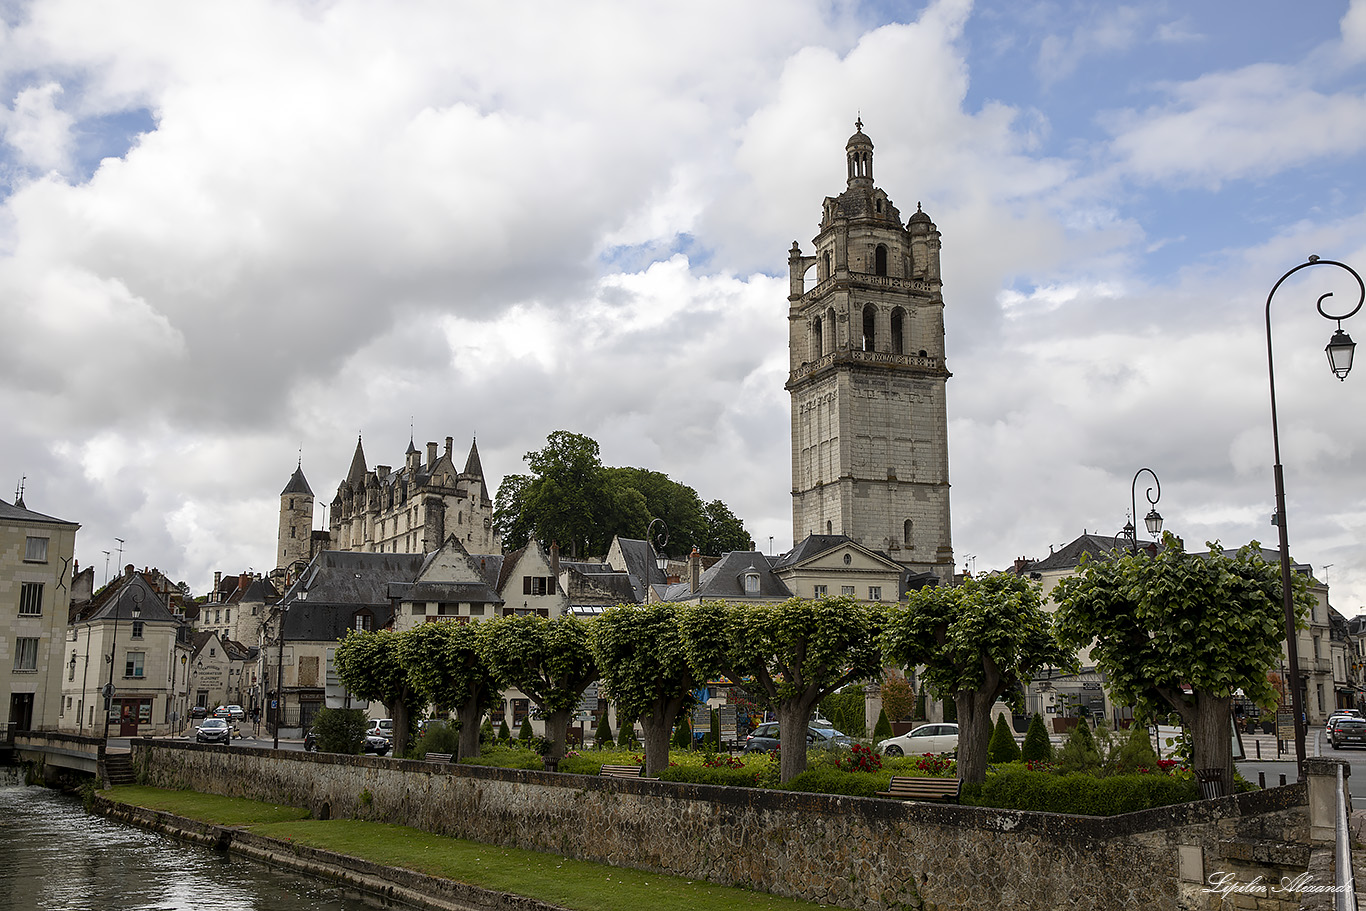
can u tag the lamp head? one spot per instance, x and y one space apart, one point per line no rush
1340 349
1154 522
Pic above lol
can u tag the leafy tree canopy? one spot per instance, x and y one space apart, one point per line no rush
978 641
795 653
571 498
447 669
370 665
1182 632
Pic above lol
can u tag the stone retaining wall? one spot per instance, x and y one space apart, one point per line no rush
848 851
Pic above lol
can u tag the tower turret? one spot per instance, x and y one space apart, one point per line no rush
296 521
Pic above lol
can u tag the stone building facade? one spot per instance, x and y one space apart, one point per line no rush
415 509
867 378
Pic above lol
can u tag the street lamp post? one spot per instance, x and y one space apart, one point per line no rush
280 677
1152 521
1339 350
657 541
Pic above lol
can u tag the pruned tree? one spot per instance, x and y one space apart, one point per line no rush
642 657
447 668
794 653
978 641
370 665
549 660
1179 632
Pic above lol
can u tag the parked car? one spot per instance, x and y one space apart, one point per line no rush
1348 730
214 730
237 713
199 711
1339 714
765 738
928 738
384 727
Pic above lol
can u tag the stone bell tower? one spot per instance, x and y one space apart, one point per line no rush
870 454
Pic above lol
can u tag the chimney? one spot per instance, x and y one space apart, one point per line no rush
382 471
431 455
694 570
128 570
217 584
555 558
1022 564
450 441
414 460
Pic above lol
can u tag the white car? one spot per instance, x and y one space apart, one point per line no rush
928 738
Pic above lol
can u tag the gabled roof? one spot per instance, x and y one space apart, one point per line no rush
812 546
118 599
349 578
1069 555
726 579
640 565
18 513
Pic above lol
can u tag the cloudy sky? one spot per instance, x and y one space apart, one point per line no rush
231 232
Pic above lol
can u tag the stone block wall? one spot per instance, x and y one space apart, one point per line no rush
847 851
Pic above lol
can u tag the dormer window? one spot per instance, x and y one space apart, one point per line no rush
751 583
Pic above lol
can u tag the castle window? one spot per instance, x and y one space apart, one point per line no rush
879 209
825 259
906 531
291 531
291 502
898 331
816 343
880 254
829 528
869 327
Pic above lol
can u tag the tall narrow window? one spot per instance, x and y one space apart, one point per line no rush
825 258
880 260
817 348
906 532
26 654
132 666
898 331
30 599
869 327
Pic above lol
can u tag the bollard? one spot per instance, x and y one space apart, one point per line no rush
1261 780
1282 779
1259 748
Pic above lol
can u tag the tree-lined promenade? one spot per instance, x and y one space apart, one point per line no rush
1172 632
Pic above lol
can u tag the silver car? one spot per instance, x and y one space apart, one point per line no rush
928 738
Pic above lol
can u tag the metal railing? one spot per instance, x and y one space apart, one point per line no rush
1344 895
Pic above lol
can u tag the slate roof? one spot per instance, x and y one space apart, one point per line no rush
18 513
471 592
298 484
117 599
726 579
812 546
640 565
1069 555
339 583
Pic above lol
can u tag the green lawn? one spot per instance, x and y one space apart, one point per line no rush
548 877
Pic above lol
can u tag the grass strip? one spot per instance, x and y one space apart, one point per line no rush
577 884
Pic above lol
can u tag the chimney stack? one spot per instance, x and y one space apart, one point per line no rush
431 455
694 570
450 441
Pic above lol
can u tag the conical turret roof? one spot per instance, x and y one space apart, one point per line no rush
356 476
298 484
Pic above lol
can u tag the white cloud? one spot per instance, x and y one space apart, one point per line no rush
38 130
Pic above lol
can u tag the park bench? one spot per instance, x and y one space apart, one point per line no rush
439 757
905 787
622 771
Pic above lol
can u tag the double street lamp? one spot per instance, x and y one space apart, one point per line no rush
1152 521
1339 349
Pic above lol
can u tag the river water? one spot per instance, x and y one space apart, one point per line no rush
56 857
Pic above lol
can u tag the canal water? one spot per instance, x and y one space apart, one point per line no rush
56 857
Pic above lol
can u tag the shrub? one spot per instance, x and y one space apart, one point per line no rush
1015 787
898 698
713 738
746 777
504 735
506 757
441 737
1134 752
1037 747
626 738
883 729
860 759
1079 753
340 730
524 733
683 733
1003 747
486 731
603 735
827 780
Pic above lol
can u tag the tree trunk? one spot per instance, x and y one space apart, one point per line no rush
793 716
658 725
1212 736
974 734
469 717
556 731
400 713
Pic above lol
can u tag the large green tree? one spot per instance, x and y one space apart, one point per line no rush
1179 632
978 642
447 668
570 498
370 665
644 664
549 660
793 654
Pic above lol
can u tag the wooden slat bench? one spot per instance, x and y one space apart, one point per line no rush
622 771
905 787
439 757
